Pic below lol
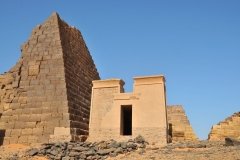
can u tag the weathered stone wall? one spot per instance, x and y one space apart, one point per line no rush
230 127
146 105
80 70
179 126
49 88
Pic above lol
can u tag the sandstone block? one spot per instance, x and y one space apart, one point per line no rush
63 110
6 106
33 70
23 139
34 118
36 111
7 132
26 111
236 119
23 83
46 117
13 140
50 87
180 139
6 140
27 132
225 127
9 125
5 118
46 104
61 131
178 134
48 131
23 118
57 116
15 84
48 124
16 132
2 125
66 116
15 105
30 125
34 82
19 125
22 100
7 112
49 110
180 128
17 111
37 131
43 139
32 139
65 123
56 103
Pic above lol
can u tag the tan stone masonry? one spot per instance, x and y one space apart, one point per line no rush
121 116
47 94
230 127
179 126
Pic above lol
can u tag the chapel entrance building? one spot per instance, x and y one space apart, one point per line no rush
122 116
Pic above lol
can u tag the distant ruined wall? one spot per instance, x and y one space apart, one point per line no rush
179 126
230 127
46 95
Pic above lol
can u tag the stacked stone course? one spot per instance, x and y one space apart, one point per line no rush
230 127
179 126
49 89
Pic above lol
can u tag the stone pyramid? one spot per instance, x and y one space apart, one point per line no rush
179 125
230 127
46 96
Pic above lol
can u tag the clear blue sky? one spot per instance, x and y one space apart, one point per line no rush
195 44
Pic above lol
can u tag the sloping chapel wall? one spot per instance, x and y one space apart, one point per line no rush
44 91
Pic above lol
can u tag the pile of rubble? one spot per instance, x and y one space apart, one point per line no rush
89 150
137 148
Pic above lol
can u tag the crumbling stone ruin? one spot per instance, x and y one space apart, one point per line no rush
179 125
230 127
47 94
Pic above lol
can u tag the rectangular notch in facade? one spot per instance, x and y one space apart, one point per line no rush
126 120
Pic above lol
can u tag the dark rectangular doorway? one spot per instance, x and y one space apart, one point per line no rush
126 120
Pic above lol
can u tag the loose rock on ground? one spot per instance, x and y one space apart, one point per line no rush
132 149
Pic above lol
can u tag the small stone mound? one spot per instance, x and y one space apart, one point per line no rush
190 144
230 141
89 150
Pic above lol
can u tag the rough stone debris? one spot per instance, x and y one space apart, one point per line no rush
88 150
229 141
230 127
46 95
94 150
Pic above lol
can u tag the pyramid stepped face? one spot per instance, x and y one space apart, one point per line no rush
179 126
230 127
46 96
